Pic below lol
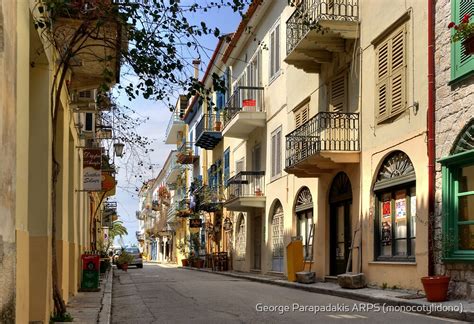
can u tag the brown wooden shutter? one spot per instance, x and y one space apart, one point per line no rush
301 115
338 94
398 72
382 76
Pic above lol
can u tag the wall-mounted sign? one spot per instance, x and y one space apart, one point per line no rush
108 181
195 223
92 162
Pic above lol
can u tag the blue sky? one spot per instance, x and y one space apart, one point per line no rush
227 21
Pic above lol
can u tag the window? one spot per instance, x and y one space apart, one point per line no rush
276 152
240 238
461 64
338 94
395 220
458 199
239 166
275 51
301 115
391 75
226 165
305 224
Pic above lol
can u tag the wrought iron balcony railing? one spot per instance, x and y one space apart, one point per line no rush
208 131
209 198
174 119
327 131
185 154
309 12
247 99
246 184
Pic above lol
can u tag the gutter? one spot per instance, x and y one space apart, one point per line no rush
431 133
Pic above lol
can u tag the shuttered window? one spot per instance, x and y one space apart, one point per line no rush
275 51
276 152
301 115
391 75
226 166
461 64
338 94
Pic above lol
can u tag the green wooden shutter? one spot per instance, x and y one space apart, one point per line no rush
461 64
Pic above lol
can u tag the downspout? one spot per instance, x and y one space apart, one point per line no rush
431 134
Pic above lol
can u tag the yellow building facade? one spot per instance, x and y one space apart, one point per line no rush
29 62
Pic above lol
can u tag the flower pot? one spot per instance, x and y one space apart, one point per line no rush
185 262
217 126
199 263
468 45
436 288
124 267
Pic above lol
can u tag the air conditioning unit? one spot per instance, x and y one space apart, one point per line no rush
84 101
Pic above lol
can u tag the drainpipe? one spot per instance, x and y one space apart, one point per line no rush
431 134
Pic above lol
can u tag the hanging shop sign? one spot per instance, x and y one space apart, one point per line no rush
195 223
92 161
108 181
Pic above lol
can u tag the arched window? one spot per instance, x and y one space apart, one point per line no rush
395 218
304 217
458 198
277 237
241 237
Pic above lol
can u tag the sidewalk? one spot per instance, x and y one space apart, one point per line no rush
93 307
382 297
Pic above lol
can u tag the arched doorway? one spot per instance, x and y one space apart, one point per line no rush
277 237
304 219
340 202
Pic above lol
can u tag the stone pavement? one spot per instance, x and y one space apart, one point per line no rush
93 307
411 301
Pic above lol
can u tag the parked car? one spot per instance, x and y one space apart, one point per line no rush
138 260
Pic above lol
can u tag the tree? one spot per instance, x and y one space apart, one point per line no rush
160 38
117 229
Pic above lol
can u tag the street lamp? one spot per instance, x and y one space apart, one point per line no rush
118 149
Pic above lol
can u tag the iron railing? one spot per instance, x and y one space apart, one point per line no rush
174 119
209 198
307 15
171 212
246 184
208 123
244 98
140 236
327 131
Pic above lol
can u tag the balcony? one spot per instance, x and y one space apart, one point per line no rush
322 144
176 124
171 213
319 28
208 131
185 154
209 199
182 208
139 215
98 17
245 191
244 112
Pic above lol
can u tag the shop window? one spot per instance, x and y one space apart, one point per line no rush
458 198
395 217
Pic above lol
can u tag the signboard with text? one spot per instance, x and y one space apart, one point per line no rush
92 177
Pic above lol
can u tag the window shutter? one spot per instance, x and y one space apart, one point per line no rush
301 115
398 71
461 64
273 154
272 50
338 94
226 166
278 152
382 84
277 49
297 119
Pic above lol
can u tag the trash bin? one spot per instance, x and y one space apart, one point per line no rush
90 271
294 253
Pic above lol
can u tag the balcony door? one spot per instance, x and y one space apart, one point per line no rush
340 203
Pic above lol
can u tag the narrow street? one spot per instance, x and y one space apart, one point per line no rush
166 294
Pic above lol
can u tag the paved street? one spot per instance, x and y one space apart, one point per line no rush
166 294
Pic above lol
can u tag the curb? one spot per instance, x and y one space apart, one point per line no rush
106 302
351 294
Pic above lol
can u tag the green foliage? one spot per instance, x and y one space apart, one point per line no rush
384 285
125 257
464 30
66 317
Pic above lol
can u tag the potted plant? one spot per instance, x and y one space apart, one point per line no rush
181 246
124 260
464 32
218 126
436 286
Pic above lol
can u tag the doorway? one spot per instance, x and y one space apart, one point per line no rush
340 204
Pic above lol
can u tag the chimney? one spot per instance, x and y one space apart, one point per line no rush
196 63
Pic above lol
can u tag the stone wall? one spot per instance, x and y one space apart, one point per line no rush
454 109
7 164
